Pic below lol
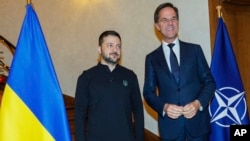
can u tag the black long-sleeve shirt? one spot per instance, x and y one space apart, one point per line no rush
109 100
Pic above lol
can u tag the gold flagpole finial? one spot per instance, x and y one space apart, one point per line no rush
28 1
219 11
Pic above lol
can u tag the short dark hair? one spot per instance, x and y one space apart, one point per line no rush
107 33
163 5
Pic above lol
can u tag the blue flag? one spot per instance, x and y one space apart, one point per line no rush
229 106
32 107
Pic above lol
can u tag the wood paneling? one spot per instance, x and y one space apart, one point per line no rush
237 2
236 14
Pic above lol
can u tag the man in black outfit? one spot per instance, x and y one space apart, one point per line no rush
108 96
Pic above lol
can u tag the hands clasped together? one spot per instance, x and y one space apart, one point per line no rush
188 111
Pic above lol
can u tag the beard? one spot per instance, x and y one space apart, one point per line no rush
110 60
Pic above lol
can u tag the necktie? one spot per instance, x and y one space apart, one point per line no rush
174 63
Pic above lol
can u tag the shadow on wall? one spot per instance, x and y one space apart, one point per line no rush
157 34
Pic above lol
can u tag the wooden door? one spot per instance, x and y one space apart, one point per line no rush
236 14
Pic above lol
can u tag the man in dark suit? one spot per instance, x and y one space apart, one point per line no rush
180 95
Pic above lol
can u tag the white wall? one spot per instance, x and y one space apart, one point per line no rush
72 28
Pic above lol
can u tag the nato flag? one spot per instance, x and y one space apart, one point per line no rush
229 106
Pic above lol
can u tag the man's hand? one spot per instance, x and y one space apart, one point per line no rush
173 111
191 109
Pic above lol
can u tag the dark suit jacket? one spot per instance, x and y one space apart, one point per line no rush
196 82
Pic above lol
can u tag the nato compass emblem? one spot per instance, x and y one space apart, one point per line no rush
228 107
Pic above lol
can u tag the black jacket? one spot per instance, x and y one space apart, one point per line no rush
108 100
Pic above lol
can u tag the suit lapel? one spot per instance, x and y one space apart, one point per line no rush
184 58
162 61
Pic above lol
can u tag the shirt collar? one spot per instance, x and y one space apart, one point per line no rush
176 42
106 67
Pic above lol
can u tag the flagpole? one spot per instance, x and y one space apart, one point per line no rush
28 1
219 11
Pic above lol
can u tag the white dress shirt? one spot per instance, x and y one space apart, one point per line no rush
166 51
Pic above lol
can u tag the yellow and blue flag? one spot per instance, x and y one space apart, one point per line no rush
32 107
229 106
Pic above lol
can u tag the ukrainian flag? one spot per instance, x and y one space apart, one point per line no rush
32 107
